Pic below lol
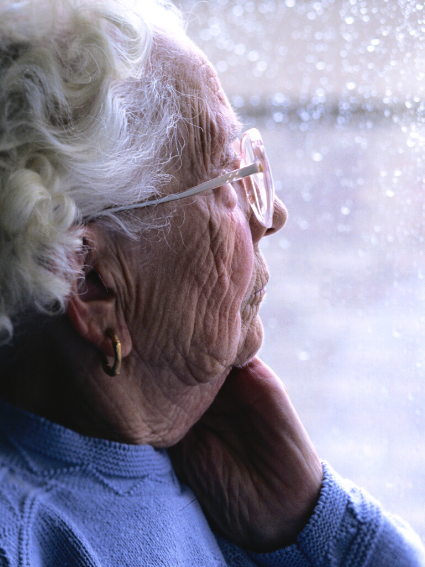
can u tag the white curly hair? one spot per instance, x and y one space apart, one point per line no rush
86 123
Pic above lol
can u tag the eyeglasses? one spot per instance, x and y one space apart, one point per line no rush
255 175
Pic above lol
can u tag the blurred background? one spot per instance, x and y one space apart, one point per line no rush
337 89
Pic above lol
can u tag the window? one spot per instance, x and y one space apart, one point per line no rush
337 90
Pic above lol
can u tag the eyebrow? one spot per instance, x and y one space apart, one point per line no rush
229 155
234 133
236 128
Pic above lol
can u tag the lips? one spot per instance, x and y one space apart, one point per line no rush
257 296
259 290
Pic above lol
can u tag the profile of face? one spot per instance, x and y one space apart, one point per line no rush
194 298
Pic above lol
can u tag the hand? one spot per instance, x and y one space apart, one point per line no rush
250 461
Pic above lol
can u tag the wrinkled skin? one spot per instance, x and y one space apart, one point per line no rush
250 461
185 308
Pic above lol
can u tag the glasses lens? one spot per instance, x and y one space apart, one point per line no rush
259 186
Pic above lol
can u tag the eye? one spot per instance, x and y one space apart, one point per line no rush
240 191
236 161
231 158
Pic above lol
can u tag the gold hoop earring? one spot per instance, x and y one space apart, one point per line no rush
115 369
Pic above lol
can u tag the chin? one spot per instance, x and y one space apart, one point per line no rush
251 342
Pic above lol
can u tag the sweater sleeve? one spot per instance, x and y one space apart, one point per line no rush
347 529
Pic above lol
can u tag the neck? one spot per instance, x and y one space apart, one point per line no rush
50 371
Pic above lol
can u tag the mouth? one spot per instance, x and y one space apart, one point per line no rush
257 296
259 291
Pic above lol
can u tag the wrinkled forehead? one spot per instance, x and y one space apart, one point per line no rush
210 122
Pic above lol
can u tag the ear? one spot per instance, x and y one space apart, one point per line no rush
94 307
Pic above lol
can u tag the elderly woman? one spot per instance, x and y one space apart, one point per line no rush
137 426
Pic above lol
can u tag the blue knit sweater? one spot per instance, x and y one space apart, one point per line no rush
69 500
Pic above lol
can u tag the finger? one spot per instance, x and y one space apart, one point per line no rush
255 384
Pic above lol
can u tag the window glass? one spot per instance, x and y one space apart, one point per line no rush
337 90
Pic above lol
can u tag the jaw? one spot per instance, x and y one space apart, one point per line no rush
251 339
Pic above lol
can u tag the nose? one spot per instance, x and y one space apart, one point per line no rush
280 216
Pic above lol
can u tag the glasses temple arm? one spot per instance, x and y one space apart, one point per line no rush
207 186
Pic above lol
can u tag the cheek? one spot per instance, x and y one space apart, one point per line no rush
238 253
192 293
222 284
242 261
233 263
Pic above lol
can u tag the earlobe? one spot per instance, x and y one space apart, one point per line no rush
88 316
93 308
115 369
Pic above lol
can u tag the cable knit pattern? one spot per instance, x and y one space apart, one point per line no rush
66 499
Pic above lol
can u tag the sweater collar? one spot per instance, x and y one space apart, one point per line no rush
35 439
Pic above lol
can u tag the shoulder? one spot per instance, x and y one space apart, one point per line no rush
10 517
33 527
